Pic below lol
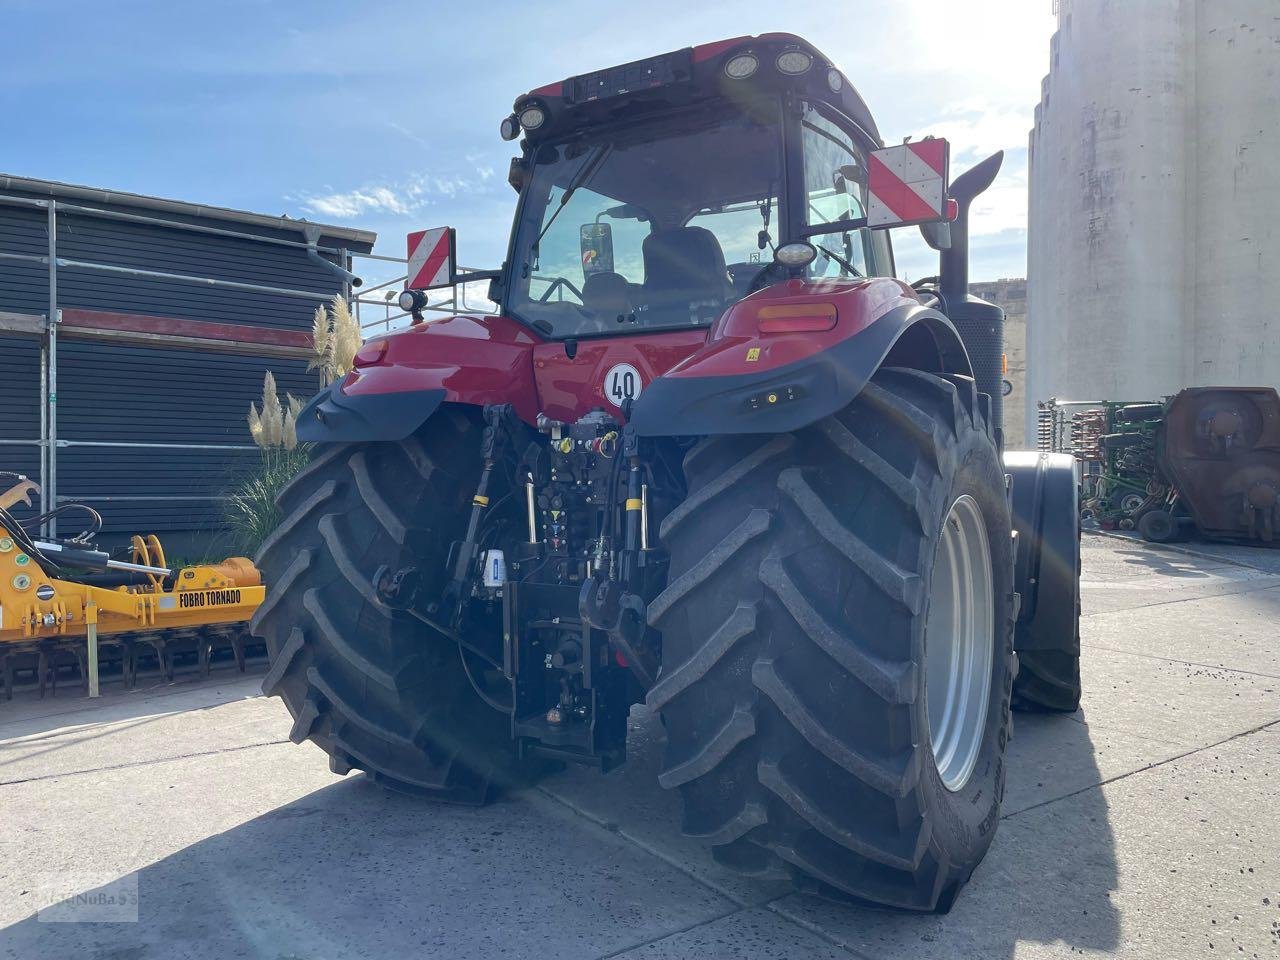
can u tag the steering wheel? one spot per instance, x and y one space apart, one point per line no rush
773 273
555 285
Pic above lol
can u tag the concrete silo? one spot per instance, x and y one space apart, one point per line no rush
1154 229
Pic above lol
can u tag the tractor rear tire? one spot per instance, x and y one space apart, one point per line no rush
376 688
1048 646
793 685
1048 681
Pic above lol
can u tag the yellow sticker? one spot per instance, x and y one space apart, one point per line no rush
753 355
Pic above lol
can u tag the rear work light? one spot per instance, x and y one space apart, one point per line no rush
796 318
411 300
794 62
741 67
800 253
531 118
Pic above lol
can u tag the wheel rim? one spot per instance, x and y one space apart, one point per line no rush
959 643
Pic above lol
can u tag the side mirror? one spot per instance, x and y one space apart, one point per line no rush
850 173
937 234
596 242
908 184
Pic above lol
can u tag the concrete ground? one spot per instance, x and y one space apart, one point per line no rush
1146 825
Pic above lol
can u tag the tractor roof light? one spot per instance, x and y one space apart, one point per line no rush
794 62
509 129
531 118
796 317
742 66
835 81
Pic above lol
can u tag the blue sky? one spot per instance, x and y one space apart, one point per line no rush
384 115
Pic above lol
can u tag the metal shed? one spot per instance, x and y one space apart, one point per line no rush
134 333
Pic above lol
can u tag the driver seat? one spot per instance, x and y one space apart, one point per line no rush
684 268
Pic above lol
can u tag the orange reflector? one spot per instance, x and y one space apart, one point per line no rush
1004 363
370 353
796 317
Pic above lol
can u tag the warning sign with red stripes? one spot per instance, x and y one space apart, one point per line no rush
430 259
907 184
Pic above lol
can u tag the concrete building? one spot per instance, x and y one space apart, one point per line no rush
1154 246
1011 295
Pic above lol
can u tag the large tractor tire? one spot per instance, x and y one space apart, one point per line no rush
836 703
376 688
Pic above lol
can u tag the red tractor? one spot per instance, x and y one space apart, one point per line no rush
708 456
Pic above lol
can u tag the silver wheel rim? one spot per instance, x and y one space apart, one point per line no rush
959 643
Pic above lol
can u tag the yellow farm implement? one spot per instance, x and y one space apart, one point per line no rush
49 618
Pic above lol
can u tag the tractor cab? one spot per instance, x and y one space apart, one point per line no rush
656 194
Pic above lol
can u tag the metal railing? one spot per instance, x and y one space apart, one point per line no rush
49 443
467 301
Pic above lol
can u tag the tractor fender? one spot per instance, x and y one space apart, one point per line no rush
794 395
1045 506
334 417
402 379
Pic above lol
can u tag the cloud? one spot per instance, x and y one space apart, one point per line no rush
397 199
979 127
356 203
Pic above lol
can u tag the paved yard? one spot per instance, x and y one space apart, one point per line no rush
1146 825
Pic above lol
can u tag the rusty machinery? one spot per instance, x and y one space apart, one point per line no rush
1207 458
49 616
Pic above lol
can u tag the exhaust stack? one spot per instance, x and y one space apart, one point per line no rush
979 323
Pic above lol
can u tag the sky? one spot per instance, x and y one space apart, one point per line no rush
384 115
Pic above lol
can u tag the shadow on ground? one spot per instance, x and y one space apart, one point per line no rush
1167 564
353 871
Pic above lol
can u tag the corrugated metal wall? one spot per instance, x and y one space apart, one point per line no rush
19 405
112 392
24 286
118 393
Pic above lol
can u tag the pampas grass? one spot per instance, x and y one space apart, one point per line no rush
335 338
321 342
252 512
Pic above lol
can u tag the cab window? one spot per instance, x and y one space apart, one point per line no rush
637 226
745 232
598 236
835 183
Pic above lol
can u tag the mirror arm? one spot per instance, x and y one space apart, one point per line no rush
834 226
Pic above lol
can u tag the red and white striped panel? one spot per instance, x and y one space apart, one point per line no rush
907 184
430 259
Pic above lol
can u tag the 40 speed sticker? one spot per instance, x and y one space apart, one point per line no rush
621 383
208 598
